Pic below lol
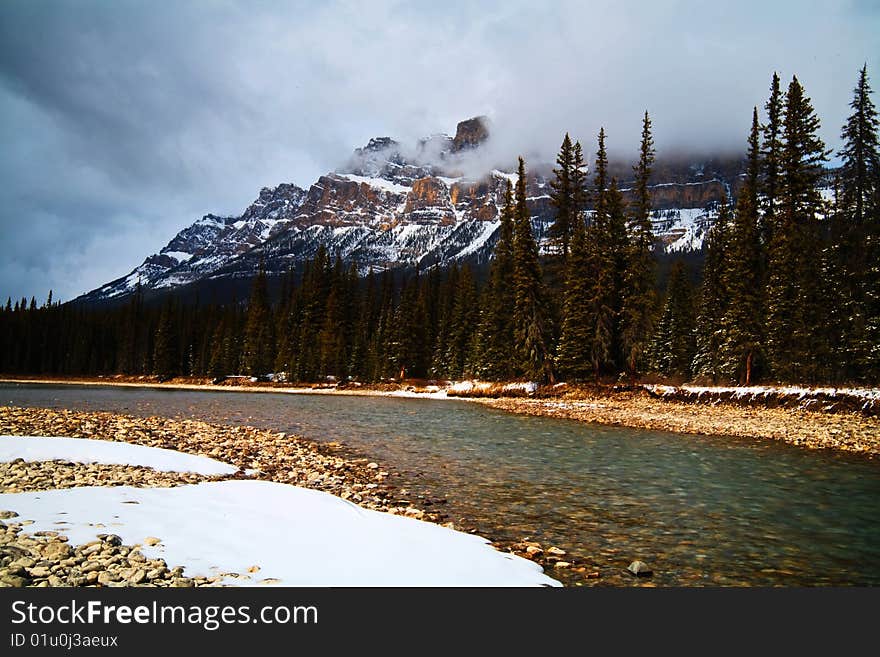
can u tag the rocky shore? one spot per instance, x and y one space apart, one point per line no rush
47 559
40 560
845 431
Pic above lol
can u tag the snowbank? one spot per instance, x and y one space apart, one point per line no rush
864 400
85 450
296 536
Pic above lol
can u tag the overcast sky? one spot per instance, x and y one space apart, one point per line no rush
123 122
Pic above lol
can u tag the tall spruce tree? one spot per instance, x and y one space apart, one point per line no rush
464 321
529 321
259 346
713 298
771 158
673 345
638 297
579 194
605 246
496 326
855 240
609 243
860 170
795 307
562 197
576 342
743 320
166 354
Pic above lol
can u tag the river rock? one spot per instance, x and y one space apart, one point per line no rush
57 551
137 577
640 569
14 581
105 577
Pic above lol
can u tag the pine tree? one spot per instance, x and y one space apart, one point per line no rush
579 193
743 320
575 344
771 159
794 305
409 348
530 326
258 350
332 339
673 346
713 298
609 244
855 239
562 197
860 171
588 323
496 328
166 357
464 321
639 291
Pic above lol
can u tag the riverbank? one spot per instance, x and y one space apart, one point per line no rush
809 419
258 455
849 432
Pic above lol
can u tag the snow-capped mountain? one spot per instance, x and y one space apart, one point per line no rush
391 205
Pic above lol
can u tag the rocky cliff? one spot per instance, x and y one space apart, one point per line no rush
389 206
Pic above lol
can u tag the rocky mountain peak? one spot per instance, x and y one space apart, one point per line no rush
395 205
470 133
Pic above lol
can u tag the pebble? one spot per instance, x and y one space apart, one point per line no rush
640 569
51 561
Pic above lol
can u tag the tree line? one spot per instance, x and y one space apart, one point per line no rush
789 290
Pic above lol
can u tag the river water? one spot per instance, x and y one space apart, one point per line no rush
699 510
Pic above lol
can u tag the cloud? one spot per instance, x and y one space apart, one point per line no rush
123 122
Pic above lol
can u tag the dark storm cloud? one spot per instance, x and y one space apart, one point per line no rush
121 122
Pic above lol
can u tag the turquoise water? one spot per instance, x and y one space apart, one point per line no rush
698 510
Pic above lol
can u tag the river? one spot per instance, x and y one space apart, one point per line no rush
699 510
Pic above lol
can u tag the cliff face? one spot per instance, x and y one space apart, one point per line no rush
666 196
470 133
392 206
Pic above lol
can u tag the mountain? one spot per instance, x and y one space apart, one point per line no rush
394 205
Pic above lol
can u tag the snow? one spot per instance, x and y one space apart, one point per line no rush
295 536
487 229
449 182
378 183
512 177
796 391
530 387
85 450
180 256
687 225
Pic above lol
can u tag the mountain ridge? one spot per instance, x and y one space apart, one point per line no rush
393 206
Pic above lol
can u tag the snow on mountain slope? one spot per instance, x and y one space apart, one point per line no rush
389 206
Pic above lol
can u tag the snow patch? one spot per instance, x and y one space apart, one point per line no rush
378 183
180 256
86 450
296 536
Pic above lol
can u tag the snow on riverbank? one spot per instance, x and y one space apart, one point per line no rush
84 450
295 536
